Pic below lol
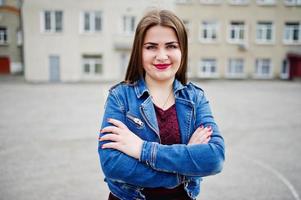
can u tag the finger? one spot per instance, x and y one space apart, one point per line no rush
117 123
111 137
110 129
207 140
111 145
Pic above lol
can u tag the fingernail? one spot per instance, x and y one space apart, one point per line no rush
201 126
108 119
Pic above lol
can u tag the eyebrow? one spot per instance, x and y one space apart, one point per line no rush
167 43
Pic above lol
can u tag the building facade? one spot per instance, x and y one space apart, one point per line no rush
87 40
90 40
10 37
240 39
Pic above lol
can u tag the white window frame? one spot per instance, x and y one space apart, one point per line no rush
285 69
260 64
88 59
19 36
3 35
239 2
292 2
208 64
266 2
211 27
183 1
52 21
210 2
237 29
232 68
92 21
128 24
262 26
289 31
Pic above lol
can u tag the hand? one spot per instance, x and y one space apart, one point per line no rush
121 139
201 135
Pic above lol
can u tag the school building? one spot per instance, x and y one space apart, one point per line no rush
90 40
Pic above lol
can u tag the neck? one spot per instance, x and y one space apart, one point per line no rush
164 86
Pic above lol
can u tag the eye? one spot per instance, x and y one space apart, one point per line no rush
172 46
150 47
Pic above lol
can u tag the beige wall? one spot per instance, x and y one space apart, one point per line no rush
70 45
223 13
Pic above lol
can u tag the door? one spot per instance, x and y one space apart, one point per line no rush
4 65
54 68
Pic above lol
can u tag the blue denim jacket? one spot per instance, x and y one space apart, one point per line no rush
160 165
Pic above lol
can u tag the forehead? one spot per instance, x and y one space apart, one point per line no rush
160 34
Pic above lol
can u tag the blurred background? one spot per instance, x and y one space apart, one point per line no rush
88 40
58 58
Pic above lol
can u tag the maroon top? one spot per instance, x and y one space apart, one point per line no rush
169 134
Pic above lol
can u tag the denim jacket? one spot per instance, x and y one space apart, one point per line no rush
160 165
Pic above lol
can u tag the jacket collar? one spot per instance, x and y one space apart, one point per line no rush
141 88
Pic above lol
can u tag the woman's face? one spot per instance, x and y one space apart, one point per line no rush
161 54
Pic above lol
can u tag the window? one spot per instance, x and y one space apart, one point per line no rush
187 27
1 2
52 21
3 35
292 2
237 32
128 25
292 33
210 1
19 37
92 64
91 21
183 1
209 31
264 32
263 68
285 69
235 68
266 2
124 60
239 2
208 68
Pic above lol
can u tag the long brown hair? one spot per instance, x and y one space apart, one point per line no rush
163 18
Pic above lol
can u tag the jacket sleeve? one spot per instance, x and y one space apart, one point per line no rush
189 160
123 168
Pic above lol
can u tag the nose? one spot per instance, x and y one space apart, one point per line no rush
161 55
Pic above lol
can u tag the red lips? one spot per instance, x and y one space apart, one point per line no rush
162 66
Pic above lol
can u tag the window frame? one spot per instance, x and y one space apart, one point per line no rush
233 63
239 2
244 29
211 27
4 35
259 63
290 40
93 15
53 22
128 24
265 30
292 3
92 60
208 63
211 2
266 2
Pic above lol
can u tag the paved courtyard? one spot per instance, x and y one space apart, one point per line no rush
48 140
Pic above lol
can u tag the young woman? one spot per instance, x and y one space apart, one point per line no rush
158 137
